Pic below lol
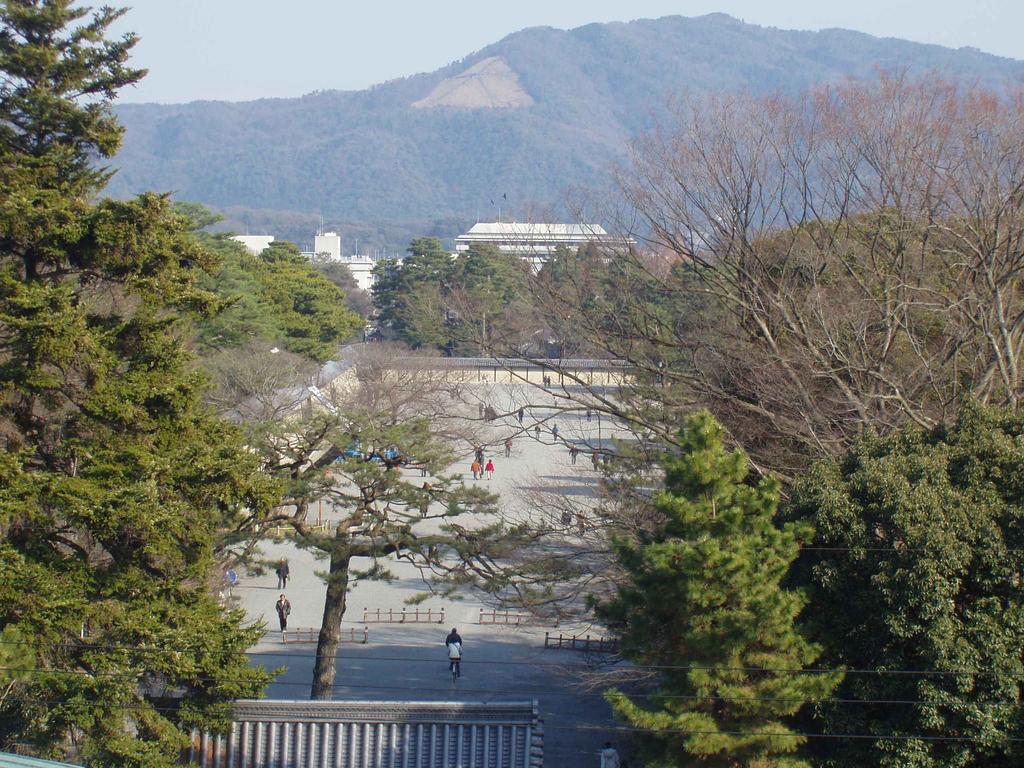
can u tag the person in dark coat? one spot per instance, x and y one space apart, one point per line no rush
453 637
282 574
284 608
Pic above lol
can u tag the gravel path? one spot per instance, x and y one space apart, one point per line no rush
408 661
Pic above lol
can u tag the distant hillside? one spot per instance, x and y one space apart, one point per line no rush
526 117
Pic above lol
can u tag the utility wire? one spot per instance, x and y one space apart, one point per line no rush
629 729
537 692
513 662
801 548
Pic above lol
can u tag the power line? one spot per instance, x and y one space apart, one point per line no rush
536 692
513 662
801 548
620 729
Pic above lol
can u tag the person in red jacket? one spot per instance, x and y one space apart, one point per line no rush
489 469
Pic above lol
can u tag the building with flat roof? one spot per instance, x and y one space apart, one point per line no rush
375 734
535 242
256 244
327 247
361 266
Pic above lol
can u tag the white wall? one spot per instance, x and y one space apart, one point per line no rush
256 244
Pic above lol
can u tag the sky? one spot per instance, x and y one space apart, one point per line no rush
248 49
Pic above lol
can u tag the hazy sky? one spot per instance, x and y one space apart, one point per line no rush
246 49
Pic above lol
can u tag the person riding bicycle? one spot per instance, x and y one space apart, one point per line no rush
454 645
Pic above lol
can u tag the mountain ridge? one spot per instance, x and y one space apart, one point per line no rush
381 169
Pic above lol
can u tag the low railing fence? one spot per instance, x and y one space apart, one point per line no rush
312 634
287 531
505 617
581 643
403 616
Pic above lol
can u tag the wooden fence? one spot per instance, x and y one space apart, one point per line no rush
581 643
504 617
311 635
286 531
403 616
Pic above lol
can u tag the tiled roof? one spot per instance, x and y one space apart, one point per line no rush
8 760
375 734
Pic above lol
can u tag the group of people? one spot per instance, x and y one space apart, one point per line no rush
478 468
283 606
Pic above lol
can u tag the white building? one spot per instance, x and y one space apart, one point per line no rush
256 244
535 242
361 266
327 246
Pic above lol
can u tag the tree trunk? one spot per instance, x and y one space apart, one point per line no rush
330 628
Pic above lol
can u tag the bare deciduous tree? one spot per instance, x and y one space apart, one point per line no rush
815 268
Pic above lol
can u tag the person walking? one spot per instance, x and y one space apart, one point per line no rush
284 608
521 414
475 466
554 431
283 573
425 500
536 431
489 469
573 453
609 757
589 414
596 460
508 447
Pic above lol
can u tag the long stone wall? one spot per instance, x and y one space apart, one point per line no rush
483 370
375 734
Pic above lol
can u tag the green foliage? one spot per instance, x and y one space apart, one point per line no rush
432 300
934 523
113 477
409 295
703 595
277 297
488 300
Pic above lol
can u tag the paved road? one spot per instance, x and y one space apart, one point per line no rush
408 662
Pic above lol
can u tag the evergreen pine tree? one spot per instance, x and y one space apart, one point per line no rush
113 477
703 599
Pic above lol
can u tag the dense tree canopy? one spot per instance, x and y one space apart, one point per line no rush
466 305
277 297
113 477
922 538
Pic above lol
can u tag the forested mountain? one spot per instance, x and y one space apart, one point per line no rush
515 123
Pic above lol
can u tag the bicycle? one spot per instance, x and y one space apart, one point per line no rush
455 660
